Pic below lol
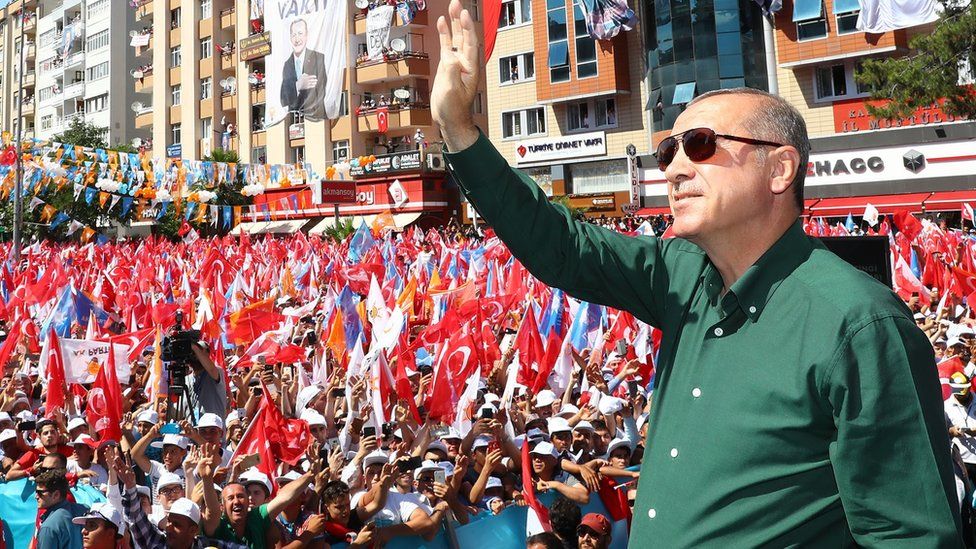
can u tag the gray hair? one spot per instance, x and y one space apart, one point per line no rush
777 121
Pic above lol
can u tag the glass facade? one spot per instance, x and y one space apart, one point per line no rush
712 43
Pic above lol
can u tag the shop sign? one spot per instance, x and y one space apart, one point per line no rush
174 151
561 147
255 46
852 116
390 163
334 192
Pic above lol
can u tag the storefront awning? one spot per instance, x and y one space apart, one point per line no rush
942 201
656 210
247 227
401 220
854 205
287 226
805 10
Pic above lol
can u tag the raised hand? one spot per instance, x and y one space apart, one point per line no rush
456 83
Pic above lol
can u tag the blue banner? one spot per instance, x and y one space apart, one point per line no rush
20 509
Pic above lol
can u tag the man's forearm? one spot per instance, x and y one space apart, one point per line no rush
460 136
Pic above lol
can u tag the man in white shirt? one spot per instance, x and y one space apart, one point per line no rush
960 411
83 464
400 514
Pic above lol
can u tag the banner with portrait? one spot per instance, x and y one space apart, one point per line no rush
307 63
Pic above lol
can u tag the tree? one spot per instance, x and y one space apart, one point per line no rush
574 211
931 72
83 133
223 155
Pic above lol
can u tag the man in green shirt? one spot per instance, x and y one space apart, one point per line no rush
796 402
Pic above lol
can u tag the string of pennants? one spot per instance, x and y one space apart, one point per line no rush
136 178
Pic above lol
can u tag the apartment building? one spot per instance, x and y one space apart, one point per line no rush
564 107
83 66
924 162
207 88
17 19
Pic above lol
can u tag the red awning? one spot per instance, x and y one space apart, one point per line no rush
949 200
885 203
656 210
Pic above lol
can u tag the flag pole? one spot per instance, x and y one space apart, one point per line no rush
19 172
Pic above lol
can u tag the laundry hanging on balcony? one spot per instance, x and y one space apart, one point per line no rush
606 18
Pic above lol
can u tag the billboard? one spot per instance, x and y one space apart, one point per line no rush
305 69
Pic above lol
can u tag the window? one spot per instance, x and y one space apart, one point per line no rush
524 123
831 81
298 154
206 48
515 12
175 18
344 104
864 89
257 117
206 9
45 93
175 57
47 122
97 41
175 134
516 68
585 45
96 7
579 116
206 88
175 94
606 113
812 29
259 155
847 22
98 71
598 177
558 43
473 10
297 117
340 151
206 128
97 104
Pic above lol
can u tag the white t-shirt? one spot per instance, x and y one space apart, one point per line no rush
98 480
398 507
157 471
964 417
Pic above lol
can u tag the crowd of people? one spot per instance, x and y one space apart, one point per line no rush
390 387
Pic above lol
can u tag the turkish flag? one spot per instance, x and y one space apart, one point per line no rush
528 489
104 412
273 437
906 223
184 228
56 379
383 119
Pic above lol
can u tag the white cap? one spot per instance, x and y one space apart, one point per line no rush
374 457
437 445
953 341
610 405
545 398
492 397
7 434
480 442
617 443
143 491
559 425
493 482
641 420
210 420
85 440
186 508
451 433
536 433
26 415
75 423
169 479
172 439
313 418
232 417
448 468
584 426
544 449
568 409
426 466
148 416
288 477
307 395
105 511
254 476
4 416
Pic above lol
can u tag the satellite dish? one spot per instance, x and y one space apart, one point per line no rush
401 93
252 78
137 74
137 142
137 106
398 45
133 72
133 33
231 84
362 4
223 83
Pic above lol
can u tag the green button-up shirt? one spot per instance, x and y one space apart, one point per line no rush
799 408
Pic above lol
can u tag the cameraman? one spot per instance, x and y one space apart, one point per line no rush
206 388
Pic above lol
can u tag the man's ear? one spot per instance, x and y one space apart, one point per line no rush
784 164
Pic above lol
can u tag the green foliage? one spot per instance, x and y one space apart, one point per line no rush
223 155
80 132
340 231
563 201
931 72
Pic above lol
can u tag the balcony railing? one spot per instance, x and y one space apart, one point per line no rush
74 90
296 131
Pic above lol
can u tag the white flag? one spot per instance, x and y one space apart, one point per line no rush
871 215
879 16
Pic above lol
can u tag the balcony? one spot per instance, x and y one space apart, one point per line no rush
228 101
410 65
144 84
419 19
144 118
296 131
30 26
257 94
144 9
228 18
228 61
29 79
75 58
31 52
143 50
75 89
403 119
70 118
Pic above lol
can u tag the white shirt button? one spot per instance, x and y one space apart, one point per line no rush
651 513
718 332
674 452
696 392
752 309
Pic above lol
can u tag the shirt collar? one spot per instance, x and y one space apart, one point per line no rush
756 286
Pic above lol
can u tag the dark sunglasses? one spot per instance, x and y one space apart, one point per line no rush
587 531
699 144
